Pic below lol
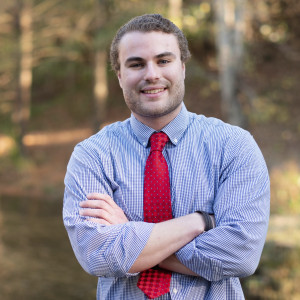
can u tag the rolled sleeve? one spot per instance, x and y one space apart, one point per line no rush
241 208
107 251
121 254
102 250
206 267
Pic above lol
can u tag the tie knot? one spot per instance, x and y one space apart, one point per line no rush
158 141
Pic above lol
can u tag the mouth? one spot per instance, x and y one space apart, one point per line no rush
153 91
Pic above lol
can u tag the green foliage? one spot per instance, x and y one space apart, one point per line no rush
285 188
278 274
12 160
268 107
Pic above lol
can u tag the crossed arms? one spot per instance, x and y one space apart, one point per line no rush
111 245
165 239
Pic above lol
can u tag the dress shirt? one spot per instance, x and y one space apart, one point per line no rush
214 167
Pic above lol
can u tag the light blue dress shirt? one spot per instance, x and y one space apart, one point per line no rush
213 166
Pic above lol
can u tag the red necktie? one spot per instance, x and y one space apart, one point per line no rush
157 208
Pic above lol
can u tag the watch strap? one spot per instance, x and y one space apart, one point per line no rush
207 220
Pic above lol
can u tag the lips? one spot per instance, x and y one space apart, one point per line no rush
154 91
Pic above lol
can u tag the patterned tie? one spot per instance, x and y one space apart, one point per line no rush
157 208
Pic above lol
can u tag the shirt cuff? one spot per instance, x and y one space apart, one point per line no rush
191 257
131 243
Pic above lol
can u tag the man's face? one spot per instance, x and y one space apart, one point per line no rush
151 74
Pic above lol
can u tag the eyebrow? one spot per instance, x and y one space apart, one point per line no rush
137 58
164 54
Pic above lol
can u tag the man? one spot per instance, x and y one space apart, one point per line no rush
123 225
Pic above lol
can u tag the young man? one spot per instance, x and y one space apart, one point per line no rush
182 221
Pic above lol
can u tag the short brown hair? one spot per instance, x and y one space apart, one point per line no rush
147 23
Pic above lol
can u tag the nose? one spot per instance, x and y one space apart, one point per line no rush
152 72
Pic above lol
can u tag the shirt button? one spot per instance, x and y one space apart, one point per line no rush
144 144
175 140
175 291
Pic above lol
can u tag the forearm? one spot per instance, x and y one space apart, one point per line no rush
172 263
103 250
227 251
107 251
232 249
150 243
166 238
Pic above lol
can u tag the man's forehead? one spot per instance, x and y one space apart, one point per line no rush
157 56
153 41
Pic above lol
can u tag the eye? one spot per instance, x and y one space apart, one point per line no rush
136 65
163 61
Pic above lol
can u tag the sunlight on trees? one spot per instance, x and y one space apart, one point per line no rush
56 137
195 15
7 144
175 12
285 186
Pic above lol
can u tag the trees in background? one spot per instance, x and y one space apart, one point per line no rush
230 24
24 67
56 52
59 52
8 54
175 12
102 18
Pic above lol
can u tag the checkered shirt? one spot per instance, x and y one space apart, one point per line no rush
213 166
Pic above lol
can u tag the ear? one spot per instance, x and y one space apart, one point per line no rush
119 78
183 70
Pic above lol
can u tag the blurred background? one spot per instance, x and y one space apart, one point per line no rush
57 88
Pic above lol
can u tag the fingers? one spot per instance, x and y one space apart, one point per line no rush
96 204
95 213
99 201
97 196
102 208
96 209
103 197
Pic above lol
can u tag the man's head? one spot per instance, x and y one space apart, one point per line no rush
148 23
148 55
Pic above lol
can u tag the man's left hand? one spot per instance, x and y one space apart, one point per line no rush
101 208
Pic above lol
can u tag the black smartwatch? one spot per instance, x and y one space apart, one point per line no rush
207 220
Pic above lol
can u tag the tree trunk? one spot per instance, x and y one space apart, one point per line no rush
175 12
25 70
100 87
229 39
100 63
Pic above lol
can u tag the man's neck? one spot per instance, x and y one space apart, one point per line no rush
158 123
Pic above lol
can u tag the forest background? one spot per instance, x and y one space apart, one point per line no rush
57 88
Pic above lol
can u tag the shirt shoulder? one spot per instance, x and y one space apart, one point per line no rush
213 129
101 142
223 140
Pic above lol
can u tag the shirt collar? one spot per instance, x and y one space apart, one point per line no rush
174 129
